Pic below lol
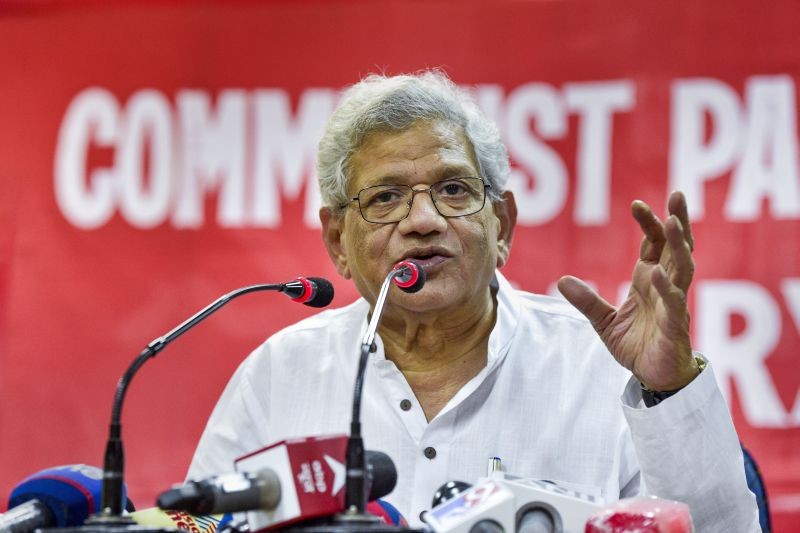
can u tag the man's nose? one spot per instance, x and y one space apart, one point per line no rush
423 216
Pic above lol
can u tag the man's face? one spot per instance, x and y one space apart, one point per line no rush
459 255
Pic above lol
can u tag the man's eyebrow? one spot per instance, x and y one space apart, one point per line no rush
456 170
390 178
443 171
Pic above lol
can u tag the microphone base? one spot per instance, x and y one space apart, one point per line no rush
109 524
136 528
350 528
348 523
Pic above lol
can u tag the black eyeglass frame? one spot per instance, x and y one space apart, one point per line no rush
429 190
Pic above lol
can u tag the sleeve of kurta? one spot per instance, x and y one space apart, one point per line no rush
688 450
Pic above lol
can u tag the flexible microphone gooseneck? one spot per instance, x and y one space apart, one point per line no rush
314 292
410 277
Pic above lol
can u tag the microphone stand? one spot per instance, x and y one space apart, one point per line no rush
114 463
110 518
355 497
354 519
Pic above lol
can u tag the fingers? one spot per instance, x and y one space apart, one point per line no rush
675 232
680 247
673 298
652 228
599 312
677 206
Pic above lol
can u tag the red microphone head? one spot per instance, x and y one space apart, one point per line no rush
411 277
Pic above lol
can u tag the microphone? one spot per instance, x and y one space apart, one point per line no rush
287 482
387 512
315 292
61 496
643 514
26 517
487 507
534 506
253 491
225 493
411 279
544 506
448 491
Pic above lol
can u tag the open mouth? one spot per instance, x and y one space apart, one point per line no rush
429 259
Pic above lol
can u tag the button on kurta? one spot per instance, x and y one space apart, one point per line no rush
430 452
405 405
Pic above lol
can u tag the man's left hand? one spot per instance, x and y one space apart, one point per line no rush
649 333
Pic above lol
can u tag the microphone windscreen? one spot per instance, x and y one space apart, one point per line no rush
412 277
386 512
323 293
642 514
383 474
71 492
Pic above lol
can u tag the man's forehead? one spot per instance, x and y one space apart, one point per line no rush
439 146
422 131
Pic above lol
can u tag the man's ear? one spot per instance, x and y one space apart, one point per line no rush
506 212
332 230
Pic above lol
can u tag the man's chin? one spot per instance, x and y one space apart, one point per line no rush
430 299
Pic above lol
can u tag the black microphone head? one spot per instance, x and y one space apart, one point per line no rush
186 498
382 474
412 276
313 292
322 293
448 491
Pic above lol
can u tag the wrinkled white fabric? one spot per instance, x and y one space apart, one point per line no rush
547 403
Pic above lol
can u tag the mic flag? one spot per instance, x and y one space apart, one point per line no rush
514 504
290 481
488 503
311 474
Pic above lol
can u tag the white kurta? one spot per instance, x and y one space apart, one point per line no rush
547 403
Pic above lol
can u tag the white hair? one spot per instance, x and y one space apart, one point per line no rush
396 103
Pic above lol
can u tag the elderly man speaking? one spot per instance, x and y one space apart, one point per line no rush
470 368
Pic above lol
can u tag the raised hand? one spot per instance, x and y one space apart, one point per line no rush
649 333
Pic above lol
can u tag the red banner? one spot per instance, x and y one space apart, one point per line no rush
154 156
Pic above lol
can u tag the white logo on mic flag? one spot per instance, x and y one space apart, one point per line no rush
338 474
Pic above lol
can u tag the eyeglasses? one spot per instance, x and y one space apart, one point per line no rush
453 197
